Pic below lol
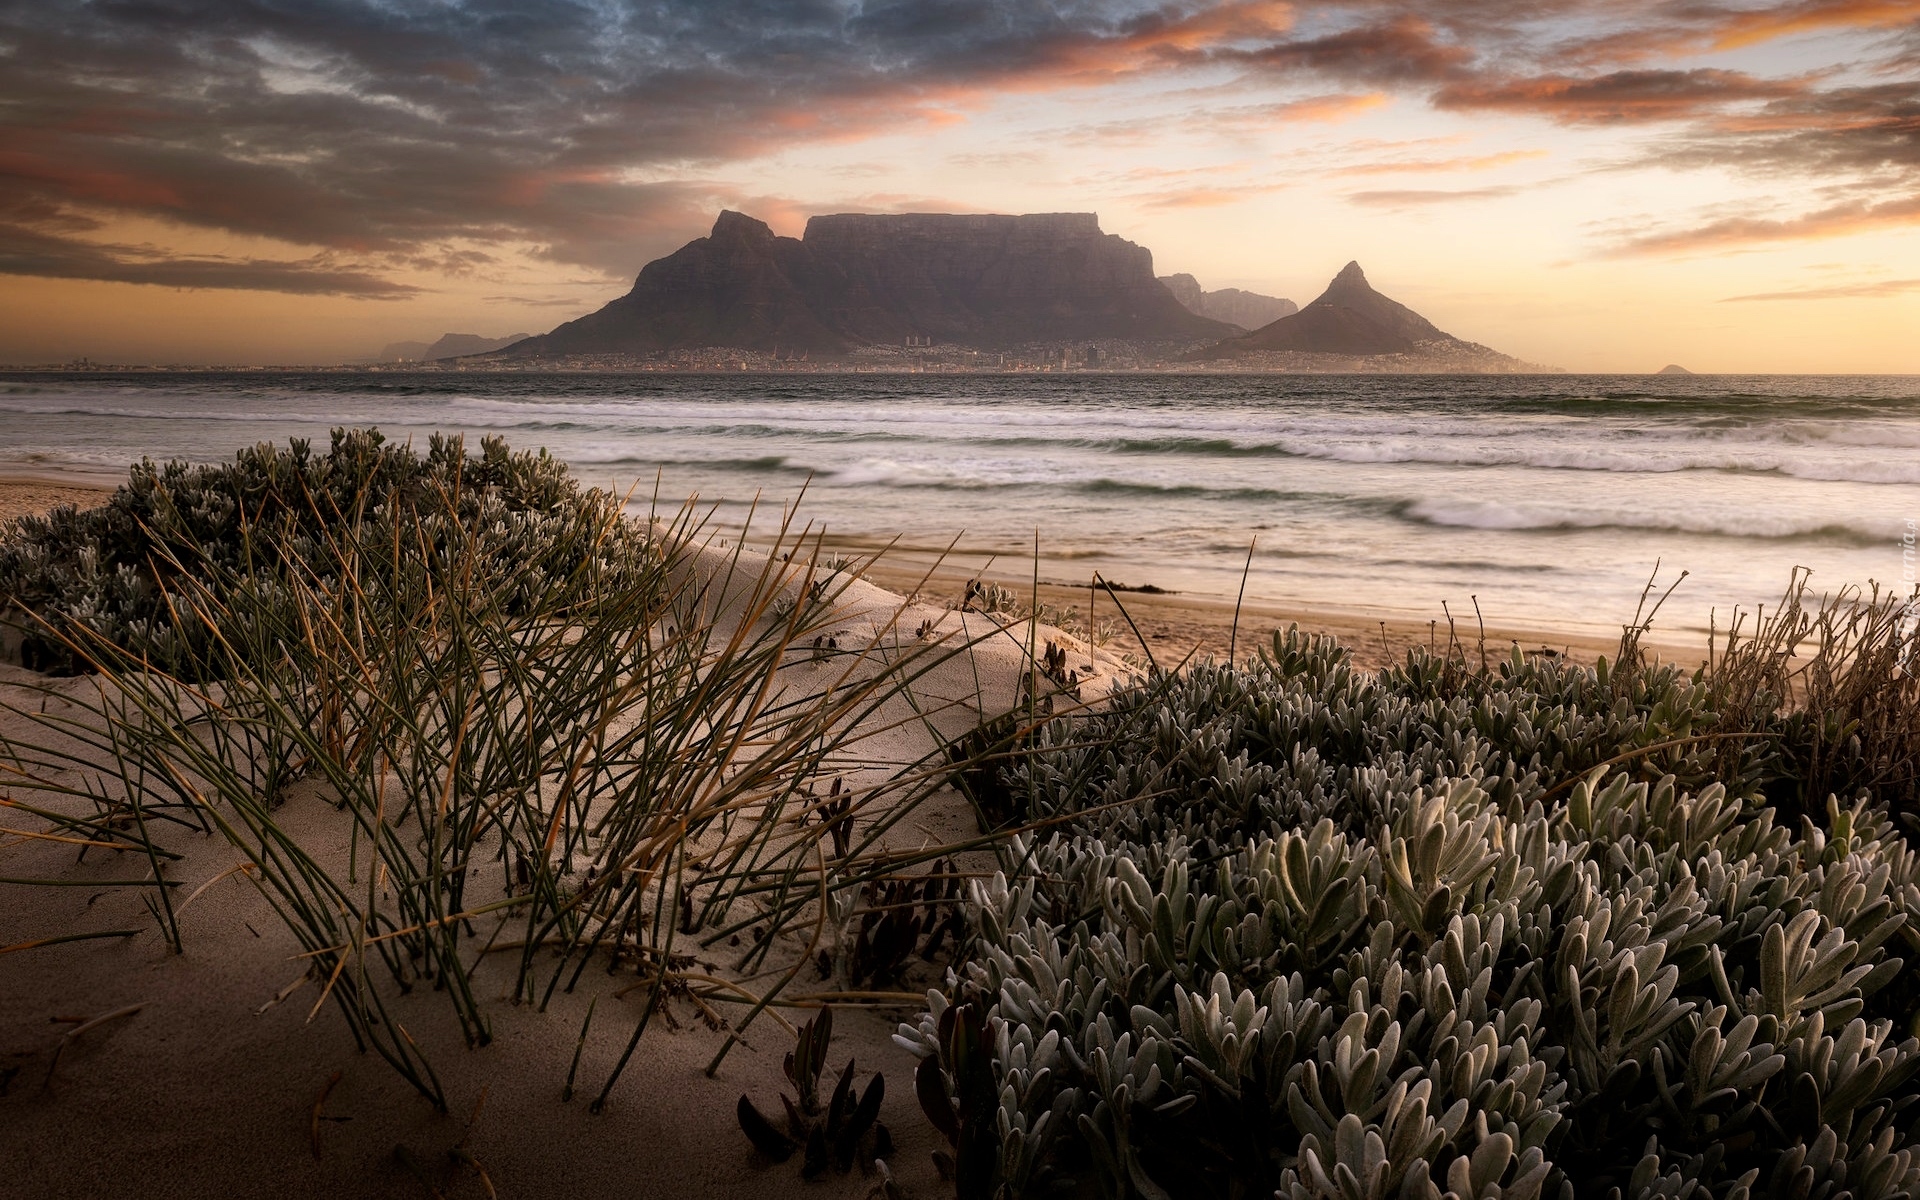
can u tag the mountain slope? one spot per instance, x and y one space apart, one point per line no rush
1352 323
858 279
1248 310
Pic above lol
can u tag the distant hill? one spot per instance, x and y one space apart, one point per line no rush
450 345
857 279
1673 369
1352 327
1248 310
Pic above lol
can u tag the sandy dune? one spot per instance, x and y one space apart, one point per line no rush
207 1078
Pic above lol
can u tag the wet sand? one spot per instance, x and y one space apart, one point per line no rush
1171 628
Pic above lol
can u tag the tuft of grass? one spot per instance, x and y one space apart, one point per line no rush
434 727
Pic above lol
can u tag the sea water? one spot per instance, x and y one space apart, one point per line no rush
1549 498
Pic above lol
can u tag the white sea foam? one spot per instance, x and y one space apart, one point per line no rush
1381 481
1499 515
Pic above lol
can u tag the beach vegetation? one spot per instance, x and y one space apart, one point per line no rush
454 711
1468 926
276 514
1508 929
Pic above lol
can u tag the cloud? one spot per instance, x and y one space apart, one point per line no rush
1882 287
366 128
1617 97
357 134
29 252
1396 52
1668 31
1746 28
1861 145
1336 107
1414 197
1422 166
1870 130
1839 220
1208 197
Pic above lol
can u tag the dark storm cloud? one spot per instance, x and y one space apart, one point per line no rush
26 251
383 132
1407 50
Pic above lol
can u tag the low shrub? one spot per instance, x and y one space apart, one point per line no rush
1303 931
278 512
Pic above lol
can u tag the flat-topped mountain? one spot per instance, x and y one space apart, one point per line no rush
1351 321
856 279
1248 310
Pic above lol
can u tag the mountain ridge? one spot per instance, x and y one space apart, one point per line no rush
1248 310
854 280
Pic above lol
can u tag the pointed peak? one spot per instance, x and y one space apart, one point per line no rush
1350 276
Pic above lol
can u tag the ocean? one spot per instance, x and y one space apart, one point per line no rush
1550 498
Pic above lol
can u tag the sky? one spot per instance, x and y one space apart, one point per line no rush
1597 185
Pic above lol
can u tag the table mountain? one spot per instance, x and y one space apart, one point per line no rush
1248 310
856 279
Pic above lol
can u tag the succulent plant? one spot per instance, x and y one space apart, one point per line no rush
1302 931
900 917
831 1134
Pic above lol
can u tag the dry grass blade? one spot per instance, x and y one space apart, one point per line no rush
72 1035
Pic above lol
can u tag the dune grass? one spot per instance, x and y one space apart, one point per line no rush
435 734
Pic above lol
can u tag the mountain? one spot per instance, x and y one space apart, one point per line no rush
857 279
1248 310
1673 369
450 345
404 352
1353 327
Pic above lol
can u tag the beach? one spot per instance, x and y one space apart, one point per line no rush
1168 628
218 1070
31 498
218 1063
127 1069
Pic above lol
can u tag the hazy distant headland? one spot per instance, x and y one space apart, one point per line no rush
451 345
957 292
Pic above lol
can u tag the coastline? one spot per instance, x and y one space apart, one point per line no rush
1181 626
219 1045
1175 625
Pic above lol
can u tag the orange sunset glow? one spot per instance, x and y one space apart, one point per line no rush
1599 187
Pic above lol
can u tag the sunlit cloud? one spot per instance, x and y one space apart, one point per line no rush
1418 197
1619 96
1840 220
358 151
1845 291
1430 166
